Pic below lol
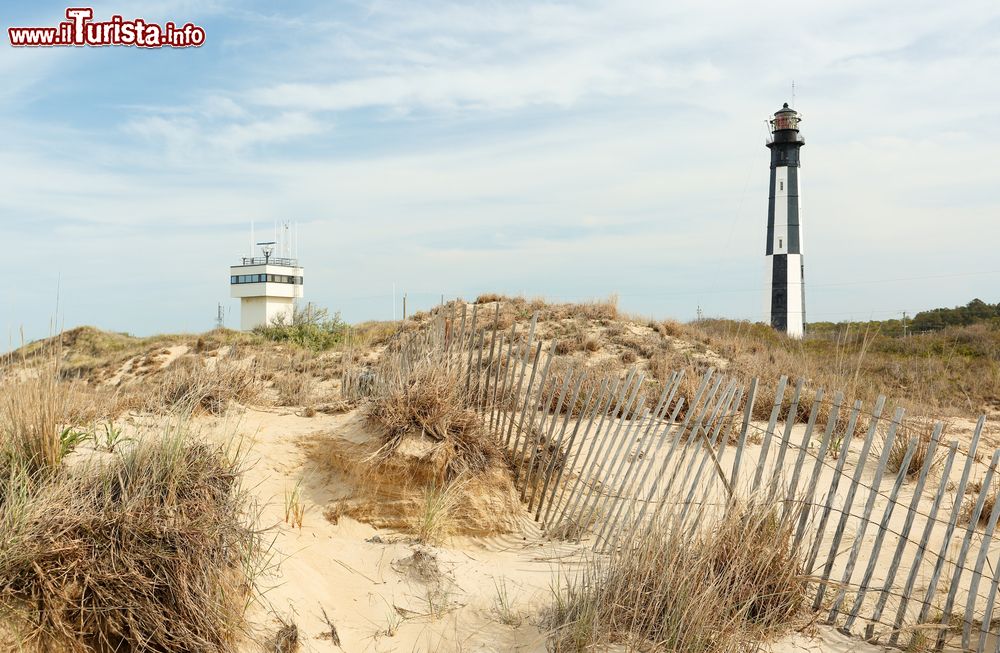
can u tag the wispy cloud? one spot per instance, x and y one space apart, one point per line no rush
569 149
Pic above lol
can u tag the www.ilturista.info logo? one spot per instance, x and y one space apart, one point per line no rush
80 30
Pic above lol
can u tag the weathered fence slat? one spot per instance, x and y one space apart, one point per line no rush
647 468
639 457
601 497
859 534
904 534
607 395
779 395
956 510
883 526
588 406
618 390
744 430
977 574
708 406
530 408
793 485
520 382
849 500
970 529
471 347
793 411
626 395
922 545
705 443
831 495
554 444
988 612
692 410
535 434
703 430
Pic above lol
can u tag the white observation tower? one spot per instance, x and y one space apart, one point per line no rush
268 284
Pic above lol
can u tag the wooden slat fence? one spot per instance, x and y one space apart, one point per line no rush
895 529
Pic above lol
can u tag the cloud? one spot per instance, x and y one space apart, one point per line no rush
187 136
562 149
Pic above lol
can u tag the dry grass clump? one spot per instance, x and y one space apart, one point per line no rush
607 370
432 402
734 581
578 341
521 308
33 413
40 412
972 492
432 468
664 363
670 328
371 334
153 549
285 639
489 298
192 384
921 430
294 388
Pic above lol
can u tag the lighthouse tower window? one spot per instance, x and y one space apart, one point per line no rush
781 185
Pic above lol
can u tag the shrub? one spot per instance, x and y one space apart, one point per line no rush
38 411
604 370
670 328
921 430
734 580
153 550
432 402
311 328
294 388
191 384
32 412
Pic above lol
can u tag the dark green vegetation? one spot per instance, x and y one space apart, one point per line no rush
975 312
311 328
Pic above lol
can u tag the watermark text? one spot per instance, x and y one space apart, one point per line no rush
79 29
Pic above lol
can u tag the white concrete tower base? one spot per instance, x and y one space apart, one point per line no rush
261 311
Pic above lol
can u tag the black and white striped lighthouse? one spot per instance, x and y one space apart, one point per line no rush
786 299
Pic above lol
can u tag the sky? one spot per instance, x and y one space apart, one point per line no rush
564 150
